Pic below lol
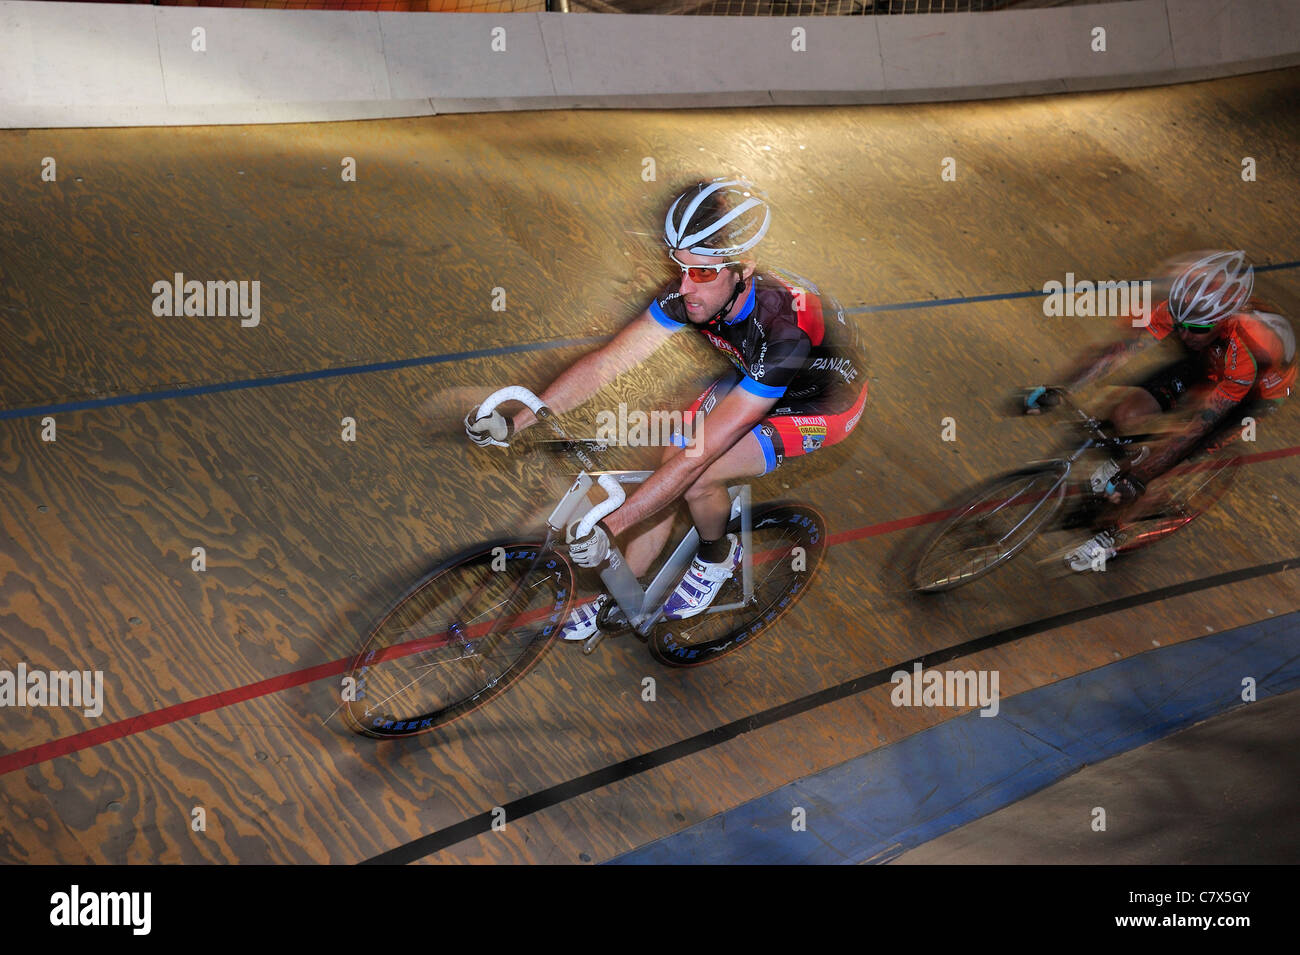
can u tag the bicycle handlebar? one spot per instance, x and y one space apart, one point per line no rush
614 494
1101 432
613 501
1094 426
510 393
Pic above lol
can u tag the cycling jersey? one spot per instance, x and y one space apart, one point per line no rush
789 341
1253 355
785 341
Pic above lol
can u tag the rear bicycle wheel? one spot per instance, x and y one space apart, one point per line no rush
1187 495
459 638
788 541
994 525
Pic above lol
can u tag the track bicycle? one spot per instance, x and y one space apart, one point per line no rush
1000 518
474 625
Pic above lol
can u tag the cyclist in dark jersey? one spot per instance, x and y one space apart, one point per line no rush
798 383
789 342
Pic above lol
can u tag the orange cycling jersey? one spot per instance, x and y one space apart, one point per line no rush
1253 356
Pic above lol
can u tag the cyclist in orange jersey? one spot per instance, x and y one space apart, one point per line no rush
1239 361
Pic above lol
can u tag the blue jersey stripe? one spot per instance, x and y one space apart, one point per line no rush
746 308
769 452
660 316
763 391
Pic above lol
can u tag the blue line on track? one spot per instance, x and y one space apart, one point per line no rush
295 377
248 383
997 297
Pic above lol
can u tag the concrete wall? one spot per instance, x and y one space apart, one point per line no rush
78 64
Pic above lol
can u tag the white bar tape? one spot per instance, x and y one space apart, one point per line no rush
612 503
512 393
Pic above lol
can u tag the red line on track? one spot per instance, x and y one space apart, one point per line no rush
67 745
169 714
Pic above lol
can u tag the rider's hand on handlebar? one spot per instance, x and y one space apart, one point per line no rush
589 551
493 430
1041 398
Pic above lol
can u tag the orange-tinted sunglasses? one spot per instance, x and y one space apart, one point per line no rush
701 274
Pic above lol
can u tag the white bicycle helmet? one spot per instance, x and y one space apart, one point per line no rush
721 218
1213 288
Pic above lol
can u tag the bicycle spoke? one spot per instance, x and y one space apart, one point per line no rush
458 641
989 530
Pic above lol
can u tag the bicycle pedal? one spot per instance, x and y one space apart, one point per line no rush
592 642
611 619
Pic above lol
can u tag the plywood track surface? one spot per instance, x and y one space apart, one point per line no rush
307 536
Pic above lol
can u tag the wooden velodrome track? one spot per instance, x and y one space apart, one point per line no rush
307 536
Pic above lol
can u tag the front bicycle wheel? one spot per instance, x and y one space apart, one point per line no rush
1187 495
787 542
459 638
994 525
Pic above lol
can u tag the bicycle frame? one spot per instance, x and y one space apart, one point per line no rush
1096 437
642 607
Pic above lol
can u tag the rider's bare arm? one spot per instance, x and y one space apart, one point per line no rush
738 412
1103 360
638 340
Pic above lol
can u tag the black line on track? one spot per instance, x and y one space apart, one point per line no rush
562 792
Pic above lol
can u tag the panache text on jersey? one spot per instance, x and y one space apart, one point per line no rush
844 366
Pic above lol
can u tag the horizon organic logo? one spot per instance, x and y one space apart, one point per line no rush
1100 299
208 300
655 429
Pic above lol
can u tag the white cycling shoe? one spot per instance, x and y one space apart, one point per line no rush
1101 477
581 624
1107 470
1092 554
701 584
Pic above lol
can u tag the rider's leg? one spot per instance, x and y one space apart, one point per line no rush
1142 404
1128 415
646 540
1137 406
707 498
643 542
1113 521
710 506
719 553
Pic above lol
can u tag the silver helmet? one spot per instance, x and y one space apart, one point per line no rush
1211 289
721 218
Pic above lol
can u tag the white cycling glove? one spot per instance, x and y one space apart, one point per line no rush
589 551
494 430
